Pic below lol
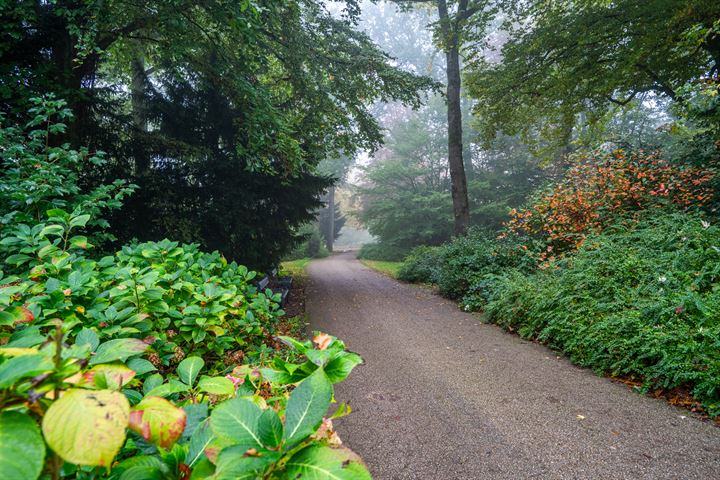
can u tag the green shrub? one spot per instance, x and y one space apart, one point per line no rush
420 265
315 244
641 301
311 246
101 412
37 177
382 252
461 269
177 299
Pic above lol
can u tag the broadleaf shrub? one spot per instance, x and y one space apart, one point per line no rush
602 186
615 265
125 366
38 177
420 265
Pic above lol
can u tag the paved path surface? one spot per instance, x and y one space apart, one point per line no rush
443 396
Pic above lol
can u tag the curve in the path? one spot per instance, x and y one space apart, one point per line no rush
443 396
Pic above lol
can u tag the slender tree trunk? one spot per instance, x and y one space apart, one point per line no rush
461 209
330 234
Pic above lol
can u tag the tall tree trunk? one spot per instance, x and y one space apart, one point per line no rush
330 234
139 113
461 208
467 152
69 82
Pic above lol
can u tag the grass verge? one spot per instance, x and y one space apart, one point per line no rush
388 268
296 268
295 323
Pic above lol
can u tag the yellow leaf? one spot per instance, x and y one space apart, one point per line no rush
87 427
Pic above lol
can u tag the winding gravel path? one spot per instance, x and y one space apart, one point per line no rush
443 396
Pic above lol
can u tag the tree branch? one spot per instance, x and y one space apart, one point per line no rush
622 103
660 85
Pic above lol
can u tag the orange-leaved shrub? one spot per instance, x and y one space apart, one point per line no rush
601 187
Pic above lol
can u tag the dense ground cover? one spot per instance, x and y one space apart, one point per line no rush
155 361
640 302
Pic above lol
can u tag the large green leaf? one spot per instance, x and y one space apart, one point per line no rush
79 221
318 462
88 337
234 463
279 377
291 342
119 349
141 467
237 419
189 369
28 337
133 396
151 382
307 405
340 367
270 428
157 421
87 427
199 441
52 230
23 366
203 470
22 450
216 385
167 389
196 414
144 472
319 357
141 366
18 259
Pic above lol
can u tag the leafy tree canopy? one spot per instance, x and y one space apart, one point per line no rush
561 59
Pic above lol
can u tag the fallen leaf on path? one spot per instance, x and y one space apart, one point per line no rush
322 340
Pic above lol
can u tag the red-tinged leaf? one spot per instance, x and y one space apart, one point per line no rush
158 421
111 376
217 445
15 315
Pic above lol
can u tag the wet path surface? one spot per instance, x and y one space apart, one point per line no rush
443 396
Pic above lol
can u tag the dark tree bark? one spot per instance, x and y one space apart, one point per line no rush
139 113
461 208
